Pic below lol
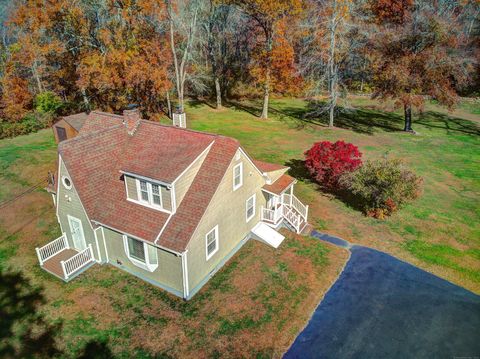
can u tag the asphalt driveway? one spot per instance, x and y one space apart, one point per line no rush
381 307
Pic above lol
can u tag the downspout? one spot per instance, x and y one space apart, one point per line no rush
186 290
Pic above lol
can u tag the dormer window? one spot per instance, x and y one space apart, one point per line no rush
149 193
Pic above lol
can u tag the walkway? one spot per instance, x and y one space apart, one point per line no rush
381 307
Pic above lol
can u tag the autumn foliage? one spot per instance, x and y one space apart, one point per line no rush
327 162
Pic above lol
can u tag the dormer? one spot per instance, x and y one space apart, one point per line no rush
149 192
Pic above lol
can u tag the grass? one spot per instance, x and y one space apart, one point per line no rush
259 293
446 153
259 301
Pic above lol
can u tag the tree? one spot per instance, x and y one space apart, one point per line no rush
268 14
416 51
183 26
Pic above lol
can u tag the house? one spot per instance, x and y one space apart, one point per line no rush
167 204
68 126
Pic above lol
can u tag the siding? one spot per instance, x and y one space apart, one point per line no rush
168 274
227 210
70 131
183 183
274 175
131 187
69 204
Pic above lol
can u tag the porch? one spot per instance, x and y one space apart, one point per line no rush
64 262
285 208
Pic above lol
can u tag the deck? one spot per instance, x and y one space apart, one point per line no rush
64 262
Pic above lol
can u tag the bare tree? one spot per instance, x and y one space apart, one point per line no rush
183 26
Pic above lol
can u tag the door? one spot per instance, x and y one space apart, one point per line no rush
272 201
62 134
76 230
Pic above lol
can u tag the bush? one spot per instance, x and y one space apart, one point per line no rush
47 102
382 186
32 122
327 161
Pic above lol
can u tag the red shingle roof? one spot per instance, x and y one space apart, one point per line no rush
97 120
268 167
94 160
77 120
279 185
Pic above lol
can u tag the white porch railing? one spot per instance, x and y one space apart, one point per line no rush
50 249
73 264
271 215
291 217
300 207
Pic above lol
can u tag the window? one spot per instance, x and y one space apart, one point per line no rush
157 199
140 253
62 134
250 208
144 191
211 240
136 249
149 193
237 176
66 182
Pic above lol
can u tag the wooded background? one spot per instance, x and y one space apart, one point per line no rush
63 56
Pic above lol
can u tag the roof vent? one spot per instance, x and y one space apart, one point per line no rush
131 118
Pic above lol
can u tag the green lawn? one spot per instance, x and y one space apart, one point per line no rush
253 307
260 291
439 232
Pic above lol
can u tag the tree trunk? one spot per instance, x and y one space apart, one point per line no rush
85 98
266 95
331 71
408 118
266 86
218 92
169 105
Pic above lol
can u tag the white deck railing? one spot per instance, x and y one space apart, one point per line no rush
300 207
271 215
79 260
291 217
50 249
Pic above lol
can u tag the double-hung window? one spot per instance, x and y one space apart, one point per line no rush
211 242
237 176
140 253
149 193
250 208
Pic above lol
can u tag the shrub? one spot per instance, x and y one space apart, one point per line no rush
32 122
47 102
382 186
327 161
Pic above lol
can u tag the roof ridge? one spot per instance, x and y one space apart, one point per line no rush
82 136
105 113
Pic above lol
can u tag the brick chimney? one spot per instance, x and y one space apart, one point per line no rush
131 119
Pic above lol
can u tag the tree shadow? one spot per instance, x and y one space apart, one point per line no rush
196 102
252 109
431 119
298 170
96 350
24 332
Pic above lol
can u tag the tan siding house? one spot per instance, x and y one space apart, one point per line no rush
166 204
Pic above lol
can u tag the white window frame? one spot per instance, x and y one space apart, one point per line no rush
150 202
215 230
240 165
147 265
64 184
254 196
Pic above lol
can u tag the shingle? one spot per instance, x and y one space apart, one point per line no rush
96 158
280 184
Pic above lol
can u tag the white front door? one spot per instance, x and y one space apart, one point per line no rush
272 201
76 230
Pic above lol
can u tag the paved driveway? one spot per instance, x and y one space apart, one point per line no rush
381 307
